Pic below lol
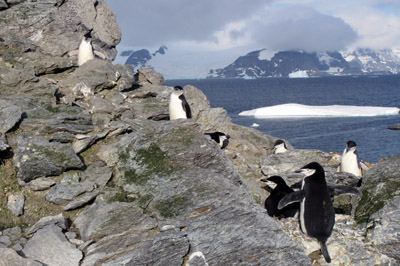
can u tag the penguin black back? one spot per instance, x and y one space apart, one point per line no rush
317 215
281 190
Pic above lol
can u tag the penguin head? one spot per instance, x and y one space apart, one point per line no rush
274 181
351 145
278 142
178 89
312 169
87 36
86 41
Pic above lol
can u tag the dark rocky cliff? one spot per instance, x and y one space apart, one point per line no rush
92 172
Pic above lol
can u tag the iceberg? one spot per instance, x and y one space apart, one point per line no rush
300 110
299 74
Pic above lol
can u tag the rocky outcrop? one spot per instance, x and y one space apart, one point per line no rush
381 184
56 27
108 179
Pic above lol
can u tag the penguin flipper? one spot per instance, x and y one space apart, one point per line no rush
185 106
339 190
290 198
364 166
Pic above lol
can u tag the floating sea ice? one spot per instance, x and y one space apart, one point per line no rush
255 125
299 74
300 110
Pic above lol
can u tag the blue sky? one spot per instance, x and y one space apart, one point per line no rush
225 24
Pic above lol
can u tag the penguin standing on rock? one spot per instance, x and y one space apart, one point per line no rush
280 146
317 215
85 52
178 106
280 189
350 162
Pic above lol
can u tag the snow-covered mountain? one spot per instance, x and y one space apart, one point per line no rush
265 63
140 58
374 61
176 64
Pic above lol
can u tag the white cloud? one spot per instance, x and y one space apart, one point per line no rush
189 27
146 23
301 27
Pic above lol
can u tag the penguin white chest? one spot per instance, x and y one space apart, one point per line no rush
349 164
85 52
302 206
280 148
176 110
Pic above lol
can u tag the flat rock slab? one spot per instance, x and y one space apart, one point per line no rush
15 203
50 246
58 220
40 184
81 201
100 220
175 246
10 257
36 157
65 191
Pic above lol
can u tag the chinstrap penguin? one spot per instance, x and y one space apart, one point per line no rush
178 106
280 146
350 162
221 138
279 190
85 52
317 215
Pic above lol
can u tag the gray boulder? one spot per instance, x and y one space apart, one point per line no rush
36 157
15 203
380 185
50 246
293 160
92 77
10 115
147 75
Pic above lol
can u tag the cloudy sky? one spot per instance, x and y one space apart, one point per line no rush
247 25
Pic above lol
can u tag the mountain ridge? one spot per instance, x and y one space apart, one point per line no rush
283 63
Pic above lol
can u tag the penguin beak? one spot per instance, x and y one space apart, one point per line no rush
268 183
305 171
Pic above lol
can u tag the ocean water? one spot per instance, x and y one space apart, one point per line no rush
374 140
